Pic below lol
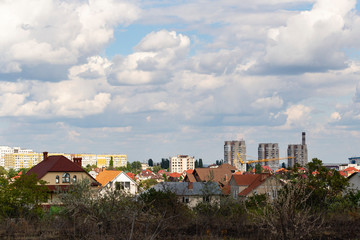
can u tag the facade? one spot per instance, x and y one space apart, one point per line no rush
354 160
192 193
181 163
104 160
112 180
269 151
60 173
9 150
298 152
231 149
22 160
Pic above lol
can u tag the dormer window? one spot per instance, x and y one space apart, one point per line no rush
57 179
66 178
74 178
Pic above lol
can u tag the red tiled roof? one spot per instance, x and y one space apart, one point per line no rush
257 182
161 171
175 175
131 175
244 180
106 176
342 173
190 171
56 163
351 169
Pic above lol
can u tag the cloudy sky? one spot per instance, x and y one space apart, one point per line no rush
157 78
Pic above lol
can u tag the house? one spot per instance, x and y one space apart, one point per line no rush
112 180
192 193
253 184
221 174
354 181
60 173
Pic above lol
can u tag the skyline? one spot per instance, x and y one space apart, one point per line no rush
153 79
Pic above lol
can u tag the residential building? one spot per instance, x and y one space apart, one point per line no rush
269 151
118 160
60 173
253 184
181 163
354 160
220 175
22 160
9 150
192 193
231 150
112 180
298 152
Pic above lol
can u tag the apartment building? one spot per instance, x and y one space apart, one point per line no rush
9 150
181 163
22 160
269 151
231 149
298 152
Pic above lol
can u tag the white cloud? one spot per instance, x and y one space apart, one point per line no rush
57 32
297 116
268 102
335 116
155 57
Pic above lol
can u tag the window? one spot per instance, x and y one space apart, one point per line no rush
185 199
74 178
66 178
57 179
206 199
122 185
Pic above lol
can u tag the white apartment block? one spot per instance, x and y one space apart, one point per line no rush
269 151
25 158
9 150
181 163
231 149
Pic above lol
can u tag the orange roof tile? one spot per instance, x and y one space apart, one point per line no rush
351 169
342 173
260 178
107 176
131 175
175 175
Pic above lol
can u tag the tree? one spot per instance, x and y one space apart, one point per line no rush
3 171
111 163
258 169
283 165
201 163
12 173
196 163
136 166
150 162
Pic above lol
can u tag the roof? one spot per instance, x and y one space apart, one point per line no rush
221 174
175 175
245 180
351 169
190 177
131 175
260 179
185 188
107 176
56 163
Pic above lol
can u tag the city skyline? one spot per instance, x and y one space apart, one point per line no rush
153 79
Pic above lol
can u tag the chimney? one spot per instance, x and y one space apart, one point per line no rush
303 138
45 155
190 185
78 161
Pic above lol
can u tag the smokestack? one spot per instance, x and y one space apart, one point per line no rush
77 161
45 154
190 185
303 138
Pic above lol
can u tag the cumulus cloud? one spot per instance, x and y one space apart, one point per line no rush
57 32
268 102
312 40
297 116
153 60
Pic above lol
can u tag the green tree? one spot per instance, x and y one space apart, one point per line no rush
12 173
196 163
111 163
3 171
150 162
136 166
201 163
258 169
283 165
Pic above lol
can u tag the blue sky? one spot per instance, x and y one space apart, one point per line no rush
153 79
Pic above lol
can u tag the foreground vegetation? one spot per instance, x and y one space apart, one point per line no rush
309 206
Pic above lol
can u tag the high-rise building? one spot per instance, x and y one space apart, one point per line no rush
269 151
231 149
298 152
9 150
181 163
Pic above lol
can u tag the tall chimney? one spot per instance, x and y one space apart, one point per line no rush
45 154
303 138
77 161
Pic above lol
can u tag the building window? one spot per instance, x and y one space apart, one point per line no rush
74 178
57 179
122 185
186 199
206 199
66 178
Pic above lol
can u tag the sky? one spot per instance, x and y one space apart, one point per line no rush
158 78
